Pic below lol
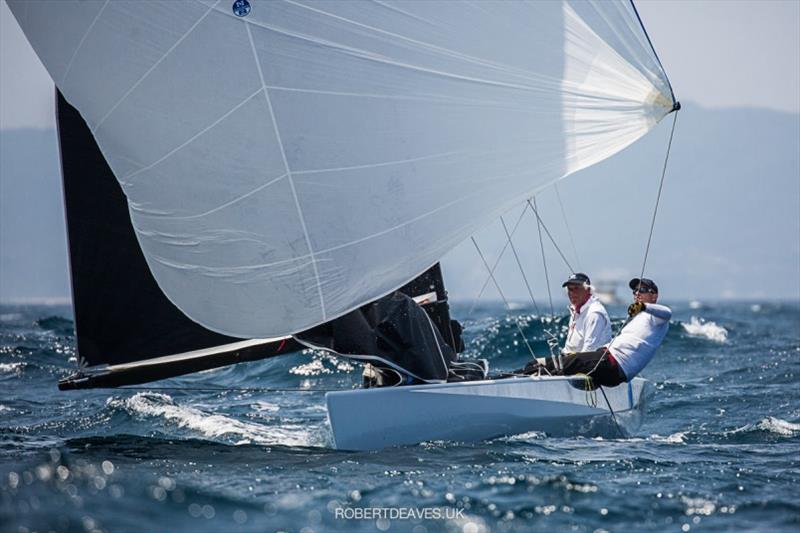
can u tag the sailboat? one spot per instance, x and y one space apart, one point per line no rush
244 177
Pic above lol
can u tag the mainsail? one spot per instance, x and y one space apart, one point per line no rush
126 330
285 162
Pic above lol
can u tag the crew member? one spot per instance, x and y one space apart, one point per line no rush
589 325
630 351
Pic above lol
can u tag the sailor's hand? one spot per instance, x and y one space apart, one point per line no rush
635 308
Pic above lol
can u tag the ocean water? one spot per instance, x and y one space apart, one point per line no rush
719 449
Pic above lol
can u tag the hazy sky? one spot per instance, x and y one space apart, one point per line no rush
717 53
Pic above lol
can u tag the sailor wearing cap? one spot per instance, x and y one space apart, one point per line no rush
629 352
589 325
635 345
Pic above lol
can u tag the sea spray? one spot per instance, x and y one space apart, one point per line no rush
698 327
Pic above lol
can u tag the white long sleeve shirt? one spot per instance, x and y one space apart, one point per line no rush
589 327
637 342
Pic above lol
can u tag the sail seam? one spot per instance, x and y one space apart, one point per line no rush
288 171
195 136
417 218
231 202
434 99
80 44
381 164
542 81
152 68
445 52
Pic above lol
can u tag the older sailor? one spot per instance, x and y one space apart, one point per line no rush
589 325
630 351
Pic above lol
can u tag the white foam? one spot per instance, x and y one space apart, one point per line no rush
8 368
695 304
781 427
698 327
211 425
771 425
675 438
263 407
523 437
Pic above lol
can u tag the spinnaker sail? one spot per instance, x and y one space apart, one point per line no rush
287 163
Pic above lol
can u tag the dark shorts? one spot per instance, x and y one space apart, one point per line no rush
600 365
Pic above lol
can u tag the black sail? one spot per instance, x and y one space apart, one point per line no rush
121 316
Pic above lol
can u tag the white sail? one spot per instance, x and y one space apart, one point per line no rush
286 166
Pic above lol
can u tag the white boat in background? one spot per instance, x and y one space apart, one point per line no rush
559 406
606 290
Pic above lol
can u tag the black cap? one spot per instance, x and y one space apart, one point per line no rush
643 283
579 278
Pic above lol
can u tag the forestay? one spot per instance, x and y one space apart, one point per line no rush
286 166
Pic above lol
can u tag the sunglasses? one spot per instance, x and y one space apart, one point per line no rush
644 290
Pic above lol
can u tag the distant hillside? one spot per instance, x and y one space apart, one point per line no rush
728 226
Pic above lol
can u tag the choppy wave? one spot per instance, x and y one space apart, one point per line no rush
718 414
56 324
675 438
214 426
322 363
699 327
9 368
771 425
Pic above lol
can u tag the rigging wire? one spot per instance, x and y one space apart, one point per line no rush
552 341
552 338
519 264
540 221
569 230
503 296
544 259
497 262
505 247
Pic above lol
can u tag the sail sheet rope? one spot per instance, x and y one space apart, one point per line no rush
660 189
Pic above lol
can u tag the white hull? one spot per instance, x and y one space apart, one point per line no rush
370 419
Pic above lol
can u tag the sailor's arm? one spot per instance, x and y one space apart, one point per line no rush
659 311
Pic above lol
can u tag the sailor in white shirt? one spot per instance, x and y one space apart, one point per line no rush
636 344
589 325
630 351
